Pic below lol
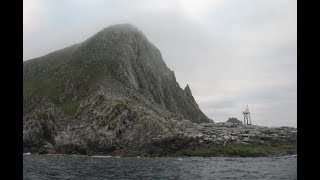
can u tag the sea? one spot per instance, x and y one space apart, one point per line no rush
107 167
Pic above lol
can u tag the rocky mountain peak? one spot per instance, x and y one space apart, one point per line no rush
188 93
187 90
123 28
119 32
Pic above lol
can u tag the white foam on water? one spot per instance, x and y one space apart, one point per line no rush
101 156
26 153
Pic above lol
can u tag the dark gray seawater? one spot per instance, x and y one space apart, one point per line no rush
86 167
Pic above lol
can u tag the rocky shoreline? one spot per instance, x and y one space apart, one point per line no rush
206 140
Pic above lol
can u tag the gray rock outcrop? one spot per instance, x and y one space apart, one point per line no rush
234 120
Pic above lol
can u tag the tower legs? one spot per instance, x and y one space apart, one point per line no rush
246 119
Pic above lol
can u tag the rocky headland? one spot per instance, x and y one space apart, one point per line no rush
114 95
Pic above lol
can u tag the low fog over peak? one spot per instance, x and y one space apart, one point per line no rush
231 53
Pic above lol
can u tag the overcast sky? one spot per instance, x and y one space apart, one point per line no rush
232 53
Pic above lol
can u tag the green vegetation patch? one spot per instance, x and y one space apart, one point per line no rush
59 77
70 107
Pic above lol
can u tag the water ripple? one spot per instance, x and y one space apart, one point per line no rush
108 167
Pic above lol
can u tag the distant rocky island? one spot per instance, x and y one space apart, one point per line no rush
114 95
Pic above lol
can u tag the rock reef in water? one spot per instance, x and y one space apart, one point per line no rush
114 94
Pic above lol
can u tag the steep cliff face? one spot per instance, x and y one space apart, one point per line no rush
141 67
112 91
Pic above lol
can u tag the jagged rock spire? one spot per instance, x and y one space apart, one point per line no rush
188 93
